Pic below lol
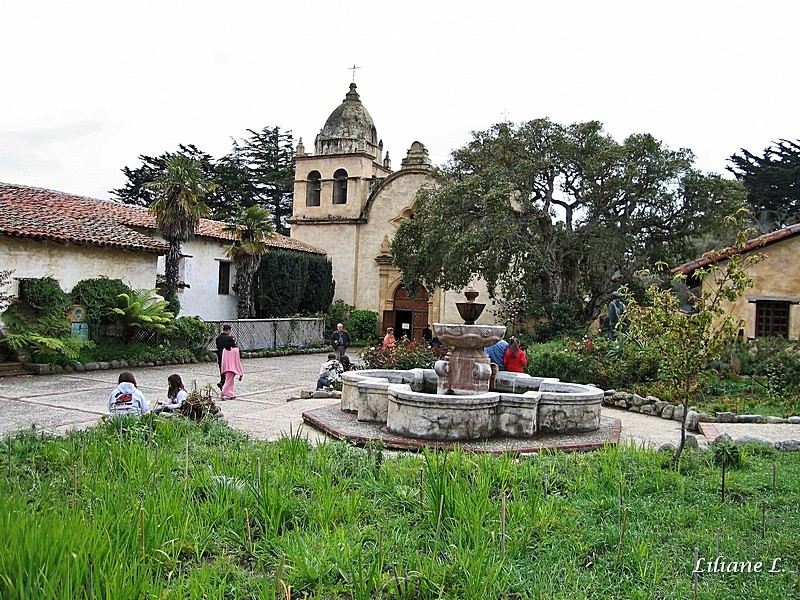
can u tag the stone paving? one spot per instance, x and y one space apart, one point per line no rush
267 405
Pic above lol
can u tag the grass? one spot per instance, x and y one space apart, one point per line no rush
119 512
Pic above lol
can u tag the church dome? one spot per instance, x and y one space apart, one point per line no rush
350 128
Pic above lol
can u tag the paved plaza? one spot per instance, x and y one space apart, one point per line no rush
268 402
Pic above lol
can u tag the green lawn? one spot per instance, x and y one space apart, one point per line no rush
119 512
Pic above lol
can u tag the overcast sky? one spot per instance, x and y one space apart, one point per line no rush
87 86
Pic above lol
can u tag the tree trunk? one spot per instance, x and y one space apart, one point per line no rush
172 270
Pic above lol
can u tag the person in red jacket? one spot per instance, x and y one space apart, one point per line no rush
514 358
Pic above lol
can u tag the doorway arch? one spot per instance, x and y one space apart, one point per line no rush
410 313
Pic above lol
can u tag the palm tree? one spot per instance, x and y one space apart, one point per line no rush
178 209
252 228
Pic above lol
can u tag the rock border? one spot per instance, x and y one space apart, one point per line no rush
52 369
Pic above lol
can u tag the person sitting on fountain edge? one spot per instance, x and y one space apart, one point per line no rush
514 357
496 353
330 373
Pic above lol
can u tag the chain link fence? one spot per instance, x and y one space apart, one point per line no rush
269 334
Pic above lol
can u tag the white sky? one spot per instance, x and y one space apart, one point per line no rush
87 86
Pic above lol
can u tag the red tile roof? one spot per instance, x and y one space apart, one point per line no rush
754 244
36 213
46 214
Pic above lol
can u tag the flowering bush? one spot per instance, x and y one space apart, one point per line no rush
404 356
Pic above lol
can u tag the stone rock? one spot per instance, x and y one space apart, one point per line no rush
788 445
750 419
667 411
79 368
705 418
637 400
667 448
305 394
104 366
321 394
775 420
610 392
677 413
68 369
752 439
648 409
691 441
621 396
651 400
793 420
726 417
635 409
57 369
659 406
692 419
722 437
91 366
335 394
621 403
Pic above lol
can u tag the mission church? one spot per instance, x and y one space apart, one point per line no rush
349 202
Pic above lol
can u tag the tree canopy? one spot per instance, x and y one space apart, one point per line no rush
177 192
257 171
772 182
553 216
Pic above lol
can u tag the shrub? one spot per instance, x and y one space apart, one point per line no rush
563 322
320 286
281 278
338 312
192 333
144 309
99 297
415 355
43 296
361 324
555 359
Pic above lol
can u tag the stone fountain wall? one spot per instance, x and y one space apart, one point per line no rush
520 405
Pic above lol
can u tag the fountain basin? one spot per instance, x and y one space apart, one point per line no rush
520 405
469 336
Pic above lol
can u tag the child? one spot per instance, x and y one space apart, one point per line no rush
514 357
126 399
389 339
176 394
231 366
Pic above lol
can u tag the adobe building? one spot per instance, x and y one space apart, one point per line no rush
349 202
770 307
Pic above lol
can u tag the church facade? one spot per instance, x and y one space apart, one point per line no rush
349 202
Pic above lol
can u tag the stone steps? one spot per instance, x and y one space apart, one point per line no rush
12 369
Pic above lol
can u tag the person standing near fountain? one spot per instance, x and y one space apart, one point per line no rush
514 357
496 352
340 341
388 339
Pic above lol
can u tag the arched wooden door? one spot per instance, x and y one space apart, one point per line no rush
410 314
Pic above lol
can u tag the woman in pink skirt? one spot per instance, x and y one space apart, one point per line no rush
231 367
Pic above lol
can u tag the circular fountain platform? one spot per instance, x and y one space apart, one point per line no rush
346 426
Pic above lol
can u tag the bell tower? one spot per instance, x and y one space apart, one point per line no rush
348 162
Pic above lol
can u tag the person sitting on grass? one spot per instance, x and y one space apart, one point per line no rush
126 399
330 373
176 394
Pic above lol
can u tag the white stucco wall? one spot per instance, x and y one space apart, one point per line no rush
200 270
71 263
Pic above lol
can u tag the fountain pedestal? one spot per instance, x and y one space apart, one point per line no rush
466 369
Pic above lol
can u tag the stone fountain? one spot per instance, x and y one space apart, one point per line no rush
466 369
462 399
